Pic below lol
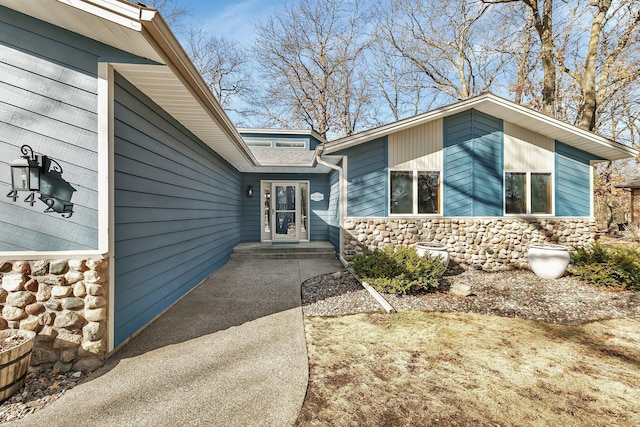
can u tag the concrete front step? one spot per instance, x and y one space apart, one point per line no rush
267 250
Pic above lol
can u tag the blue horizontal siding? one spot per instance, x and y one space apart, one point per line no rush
177 210
573 186
48 82
367 179
473 165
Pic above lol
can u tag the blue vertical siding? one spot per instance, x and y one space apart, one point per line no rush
252 210
573 185
473 165
367 179
48 87
177 206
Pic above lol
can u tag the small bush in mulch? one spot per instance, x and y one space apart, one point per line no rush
399 271
612 267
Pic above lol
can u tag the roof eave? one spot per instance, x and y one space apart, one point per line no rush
142 31
159 32
488 103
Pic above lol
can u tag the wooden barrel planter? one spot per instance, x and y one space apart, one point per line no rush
14 361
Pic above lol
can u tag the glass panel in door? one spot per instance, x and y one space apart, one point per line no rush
284 212
266 213
304 215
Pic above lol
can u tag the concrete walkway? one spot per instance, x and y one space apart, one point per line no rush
231 353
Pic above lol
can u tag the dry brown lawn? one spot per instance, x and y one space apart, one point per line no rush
462 369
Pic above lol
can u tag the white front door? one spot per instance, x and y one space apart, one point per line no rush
285 217
285 212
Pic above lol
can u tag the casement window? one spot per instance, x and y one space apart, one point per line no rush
414 192
528 193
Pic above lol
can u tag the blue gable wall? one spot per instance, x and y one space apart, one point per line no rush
473 165
573 181
251 209
177 207
367 179
48 87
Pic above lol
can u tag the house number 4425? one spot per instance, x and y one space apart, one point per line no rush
67 210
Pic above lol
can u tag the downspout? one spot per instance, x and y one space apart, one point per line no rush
342 208
341 201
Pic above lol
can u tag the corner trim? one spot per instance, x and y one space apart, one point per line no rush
106 209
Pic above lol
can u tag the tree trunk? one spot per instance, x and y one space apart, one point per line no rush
523 64
544 27
587 115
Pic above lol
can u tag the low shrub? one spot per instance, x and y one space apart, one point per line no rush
399 270
599 265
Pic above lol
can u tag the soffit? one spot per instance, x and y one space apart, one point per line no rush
111 22
160 84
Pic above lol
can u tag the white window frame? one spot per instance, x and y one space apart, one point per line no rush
528 174
291 144
414 173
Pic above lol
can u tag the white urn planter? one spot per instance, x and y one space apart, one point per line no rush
434 250
548 261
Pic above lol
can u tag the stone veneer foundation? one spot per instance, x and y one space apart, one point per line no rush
490 244
65 302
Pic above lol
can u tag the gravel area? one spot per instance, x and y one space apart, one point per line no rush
517 293
41 387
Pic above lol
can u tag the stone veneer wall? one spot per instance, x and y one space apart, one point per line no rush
65 302
485 243
635 205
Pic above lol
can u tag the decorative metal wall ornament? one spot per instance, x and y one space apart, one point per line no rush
38 173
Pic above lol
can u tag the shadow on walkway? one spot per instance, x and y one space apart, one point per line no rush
232 352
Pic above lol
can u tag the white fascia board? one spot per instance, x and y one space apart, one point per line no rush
621 150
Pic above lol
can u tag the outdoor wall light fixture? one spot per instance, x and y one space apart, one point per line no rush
41 174
250 191
25 171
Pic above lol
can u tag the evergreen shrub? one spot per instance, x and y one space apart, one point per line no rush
399 270
603 266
